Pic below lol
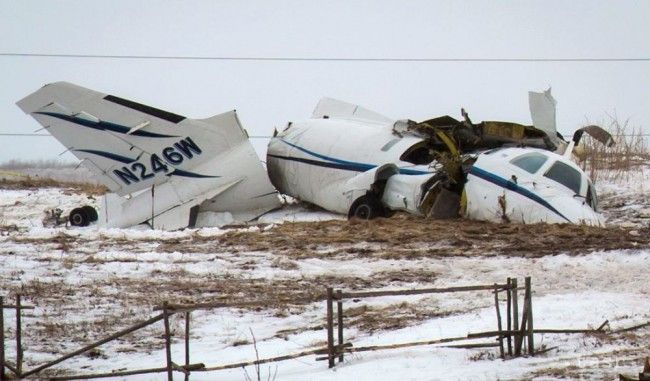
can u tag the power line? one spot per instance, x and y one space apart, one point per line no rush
30 135
327 59
269 136
3 134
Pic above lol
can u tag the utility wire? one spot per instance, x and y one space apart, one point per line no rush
31 135
3 134
328 59
269 137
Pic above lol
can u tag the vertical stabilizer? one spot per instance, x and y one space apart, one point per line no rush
542 111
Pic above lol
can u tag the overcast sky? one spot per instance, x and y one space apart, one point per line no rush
268 94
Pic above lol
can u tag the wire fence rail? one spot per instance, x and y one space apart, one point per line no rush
510 336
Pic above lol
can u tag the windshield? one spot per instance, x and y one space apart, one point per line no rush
530 162
565 175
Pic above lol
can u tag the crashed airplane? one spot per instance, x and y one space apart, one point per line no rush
354 161
172 172
162 169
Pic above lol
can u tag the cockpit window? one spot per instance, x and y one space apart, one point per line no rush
565 175
530 162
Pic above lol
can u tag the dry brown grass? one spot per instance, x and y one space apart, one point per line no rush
596 366
400 237
404 236
629 152
396 316
6 229
28 182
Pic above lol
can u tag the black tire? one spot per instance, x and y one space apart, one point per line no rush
91 213
366 208
78 217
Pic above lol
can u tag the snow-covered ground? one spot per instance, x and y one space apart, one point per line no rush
89 282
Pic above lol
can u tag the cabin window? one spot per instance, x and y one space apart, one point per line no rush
565 175
531 162
418 154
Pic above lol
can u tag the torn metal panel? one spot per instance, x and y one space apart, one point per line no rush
543 112
406 193
333 108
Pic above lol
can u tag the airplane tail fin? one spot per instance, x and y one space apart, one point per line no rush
542 111
167 163
127 145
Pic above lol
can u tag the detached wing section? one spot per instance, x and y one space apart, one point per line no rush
131 147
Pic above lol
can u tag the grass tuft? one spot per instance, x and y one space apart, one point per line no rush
615 163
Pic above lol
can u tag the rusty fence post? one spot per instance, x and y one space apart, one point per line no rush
519 336
499 325
168 345
509 315
339 314
529 303
515 310
330 328
19 338
2 339
187 345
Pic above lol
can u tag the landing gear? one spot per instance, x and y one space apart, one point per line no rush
90 212
366 208
82 216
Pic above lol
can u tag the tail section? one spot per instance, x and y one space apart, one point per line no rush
128 145
131 147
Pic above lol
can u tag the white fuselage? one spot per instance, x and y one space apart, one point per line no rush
329 162
529 185
323 161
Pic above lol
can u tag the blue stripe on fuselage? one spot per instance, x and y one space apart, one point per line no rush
512 186
339 163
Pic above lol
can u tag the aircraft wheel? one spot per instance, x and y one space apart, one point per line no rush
91 213
366 208
78 217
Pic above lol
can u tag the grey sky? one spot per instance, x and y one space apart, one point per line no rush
267 94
